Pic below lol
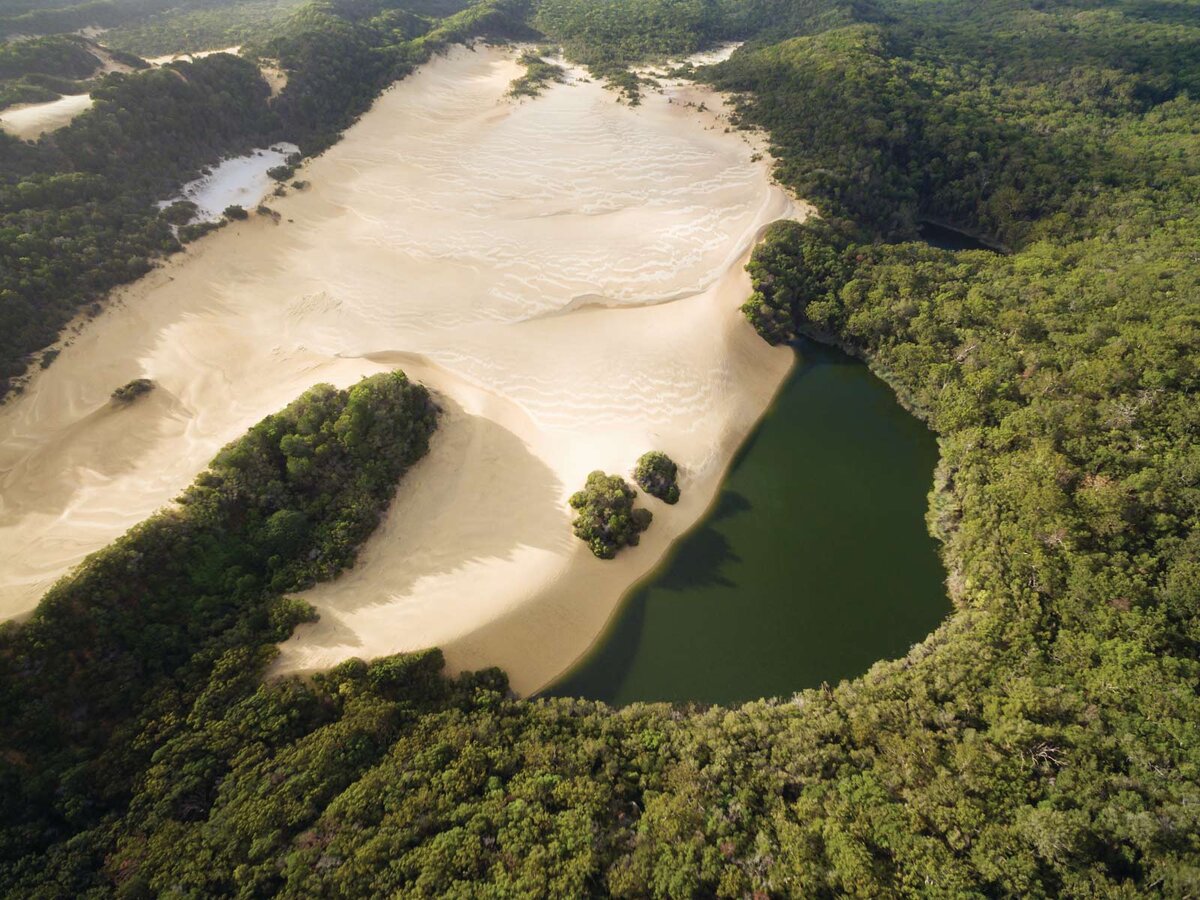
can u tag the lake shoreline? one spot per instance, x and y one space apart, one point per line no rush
251 316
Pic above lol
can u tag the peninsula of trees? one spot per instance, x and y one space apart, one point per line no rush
1041 743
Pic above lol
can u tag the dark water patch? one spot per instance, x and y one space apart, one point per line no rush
946 238
813 563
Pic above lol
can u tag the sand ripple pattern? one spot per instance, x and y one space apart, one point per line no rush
564 273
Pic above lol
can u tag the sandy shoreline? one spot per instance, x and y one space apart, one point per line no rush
445 235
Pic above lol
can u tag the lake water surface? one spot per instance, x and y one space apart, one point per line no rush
814 562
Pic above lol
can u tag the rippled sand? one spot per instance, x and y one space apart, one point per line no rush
563 272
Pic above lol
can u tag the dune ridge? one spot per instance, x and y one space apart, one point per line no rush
564 274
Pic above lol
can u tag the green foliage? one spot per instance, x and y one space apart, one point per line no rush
607 520
538 74
180 212
196 26
609 36
127 393
794 264
657 474
54 16
142 626
66 56
606 34
196 230
40 69
1041 743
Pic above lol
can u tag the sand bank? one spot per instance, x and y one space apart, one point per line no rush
564 273
240 180
29 121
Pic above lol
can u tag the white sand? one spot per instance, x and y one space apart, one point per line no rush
515 257
29 121
240 180
190 55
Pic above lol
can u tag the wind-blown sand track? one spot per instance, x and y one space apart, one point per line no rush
518 258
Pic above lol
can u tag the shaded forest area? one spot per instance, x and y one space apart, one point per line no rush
1043 742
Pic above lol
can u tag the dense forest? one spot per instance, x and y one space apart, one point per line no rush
42 69
1043 742
142 627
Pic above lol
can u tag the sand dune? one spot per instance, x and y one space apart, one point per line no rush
564 273
29 121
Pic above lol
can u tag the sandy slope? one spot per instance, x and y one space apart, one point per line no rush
518 259
29 121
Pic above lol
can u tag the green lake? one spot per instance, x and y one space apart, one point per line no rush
813 563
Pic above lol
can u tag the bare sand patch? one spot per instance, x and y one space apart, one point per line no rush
237 181
191 55
563 273
29 121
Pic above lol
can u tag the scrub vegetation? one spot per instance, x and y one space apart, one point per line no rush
183 603
657 475
538 75
607 519
127 393
1041 743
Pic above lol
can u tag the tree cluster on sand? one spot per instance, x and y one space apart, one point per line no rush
607 520
657 475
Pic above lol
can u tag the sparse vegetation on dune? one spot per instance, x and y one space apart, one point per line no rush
127 393
606 519
1040 743
539 73
657 475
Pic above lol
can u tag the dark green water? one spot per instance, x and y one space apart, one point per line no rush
813 564
949 239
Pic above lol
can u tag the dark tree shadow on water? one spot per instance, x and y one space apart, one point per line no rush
696 563
699 562
601 674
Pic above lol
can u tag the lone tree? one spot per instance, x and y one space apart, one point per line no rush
233 211
607 520
128 393
656 474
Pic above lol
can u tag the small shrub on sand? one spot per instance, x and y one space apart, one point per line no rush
657 474
128 393
607 520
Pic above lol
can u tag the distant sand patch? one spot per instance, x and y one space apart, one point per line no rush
29 121
564 273
191 55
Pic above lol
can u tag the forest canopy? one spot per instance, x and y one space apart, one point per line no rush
1041 743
